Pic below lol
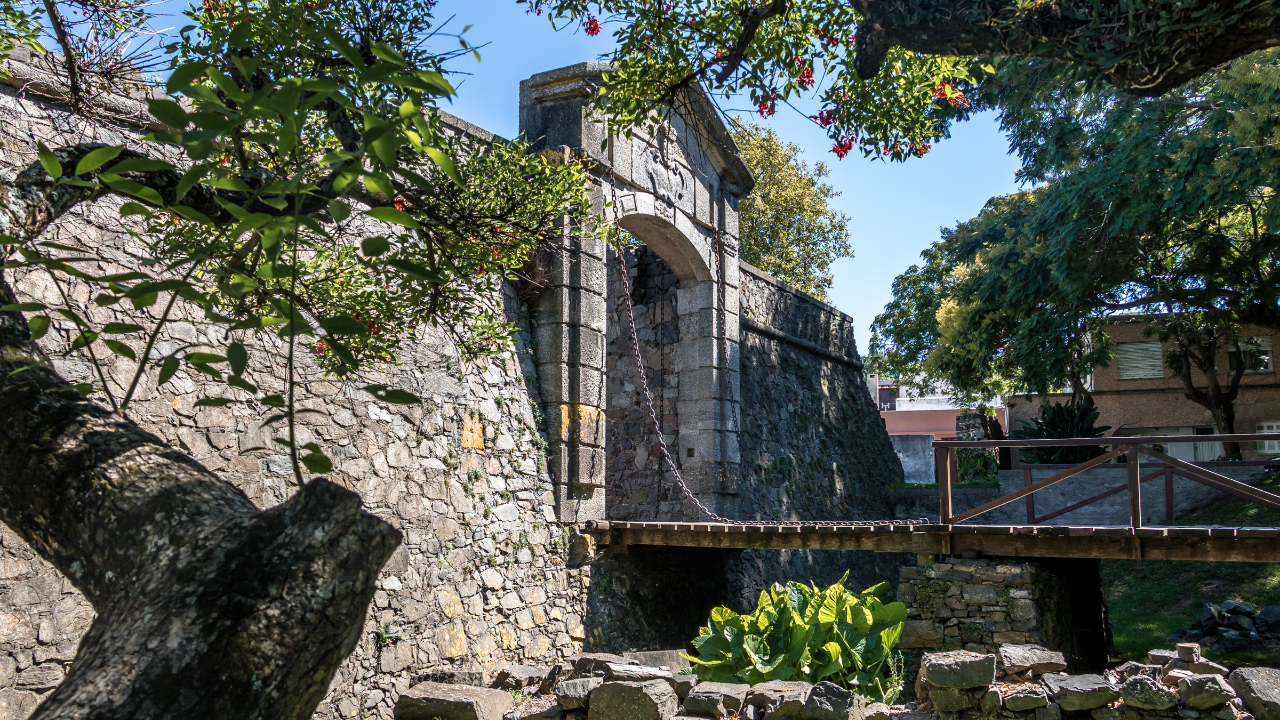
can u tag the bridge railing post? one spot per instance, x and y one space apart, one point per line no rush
1135 487
1168 496
943 461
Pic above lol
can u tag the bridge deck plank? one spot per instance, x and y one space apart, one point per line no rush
1151 543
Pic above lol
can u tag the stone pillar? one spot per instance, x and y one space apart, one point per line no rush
707 359
570 313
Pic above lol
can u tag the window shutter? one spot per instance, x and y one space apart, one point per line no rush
1139 361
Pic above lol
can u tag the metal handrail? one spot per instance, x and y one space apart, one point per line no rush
1130 447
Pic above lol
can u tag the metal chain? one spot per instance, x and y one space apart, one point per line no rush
648 397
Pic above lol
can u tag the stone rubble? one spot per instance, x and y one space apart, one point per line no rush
1232 627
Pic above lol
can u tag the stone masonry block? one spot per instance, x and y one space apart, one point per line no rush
578 504
572 384
709 383
577 270
569 345
697 297
576 465
709 322
572 306
576 423
620 150
704 414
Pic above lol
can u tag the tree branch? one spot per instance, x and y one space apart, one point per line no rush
751 20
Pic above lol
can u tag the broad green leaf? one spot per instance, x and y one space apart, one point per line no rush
139 165
39 325
205 358
445 163
97 158
343 325
49 162
212 402
396 217
238 357
168 367
374 246
316 462
23 307
168 112
120 349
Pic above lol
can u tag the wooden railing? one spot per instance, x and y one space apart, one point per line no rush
1131 448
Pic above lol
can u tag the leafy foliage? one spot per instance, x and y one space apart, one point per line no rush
977 465
315 203
799 632
773 53
787 226
1075 419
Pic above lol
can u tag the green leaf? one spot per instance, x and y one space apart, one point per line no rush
397 397
168 112
129 165
39 325
84 339
374 246
339 210
168 367
120 349
205 358
129 187
445 163
49 162
207 370
276 401
85 389
393 216
212 402
343 325
237 381
23 307
97 158
183 75
238 357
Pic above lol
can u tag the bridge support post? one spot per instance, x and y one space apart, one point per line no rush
1135 489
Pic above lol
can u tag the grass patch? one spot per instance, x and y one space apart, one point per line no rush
1149 599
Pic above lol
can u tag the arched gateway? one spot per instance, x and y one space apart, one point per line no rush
677 193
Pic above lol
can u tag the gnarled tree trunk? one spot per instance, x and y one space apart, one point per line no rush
207 607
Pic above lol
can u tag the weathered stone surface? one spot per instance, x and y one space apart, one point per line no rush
519 677
948 699
1025 697
1079 692
636 673
427 701
670 659
1130 669
550 713
1160 657
1259 688
878 711
39 678
828 701
1188 652
716 699
1037 659
573 694
959 669
921 634
588 663
1105 713
779 699
1201 692
648 700
1143 692
1052 711
684 685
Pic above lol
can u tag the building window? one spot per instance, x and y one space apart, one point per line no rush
1259 363
1138 361
1269 447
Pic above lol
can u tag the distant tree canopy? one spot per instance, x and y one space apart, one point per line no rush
1158 205
786 224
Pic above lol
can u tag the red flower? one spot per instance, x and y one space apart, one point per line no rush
919 149
374 328
765 108
591 26
842 146
806 77
824 118
321 348
399 202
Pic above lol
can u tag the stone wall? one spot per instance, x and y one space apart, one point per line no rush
1114 510
980 604
482 579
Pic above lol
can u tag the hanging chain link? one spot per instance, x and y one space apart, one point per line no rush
648 397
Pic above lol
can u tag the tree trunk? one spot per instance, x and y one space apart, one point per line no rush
207 607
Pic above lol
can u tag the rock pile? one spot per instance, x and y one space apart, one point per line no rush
1027 684
600 686
1232 627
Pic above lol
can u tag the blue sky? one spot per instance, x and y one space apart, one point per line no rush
895 209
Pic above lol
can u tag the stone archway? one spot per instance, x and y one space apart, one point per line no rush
678 194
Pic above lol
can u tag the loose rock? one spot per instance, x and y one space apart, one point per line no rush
589 663
959 669
684 685
519 677
1018 698
1039 660
828 701
1079 692
1201 692
1144 692
1189 652
878 711
1259 688
636 673
1160 657
716 699
429 700
649 700
779 699
573 694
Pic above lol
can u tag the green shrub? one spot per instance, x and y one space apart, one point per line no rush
1076 419
799 632
977 465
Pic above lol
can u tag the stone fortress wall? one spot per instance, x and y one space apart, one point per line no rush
490 478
